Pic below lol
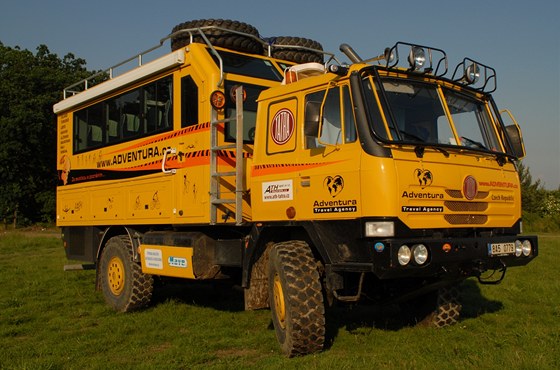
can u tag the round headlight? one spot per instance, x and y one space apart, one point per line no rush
404 255
518 248
526 248
420 253
416 58
472 73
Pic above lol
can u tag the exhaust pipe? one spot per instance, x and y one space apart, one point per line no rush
350 53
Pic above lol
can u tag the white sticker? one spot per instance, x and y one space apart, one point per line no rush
277 190
154 258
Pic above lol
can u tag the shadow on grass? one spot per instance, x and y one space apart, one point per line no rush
216 294
394 317
225 296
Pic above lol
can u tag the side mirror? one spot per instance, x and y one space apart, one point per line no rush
312 118
514 134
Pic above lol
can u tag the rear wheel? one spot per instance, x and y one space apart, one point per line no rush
439 309
125 288
296 298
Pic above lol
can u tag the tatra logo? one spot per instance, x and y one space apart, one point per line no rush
470 187
424 177
282 126
334 184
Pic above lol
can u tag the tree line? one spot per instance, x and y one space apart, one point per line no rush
30 83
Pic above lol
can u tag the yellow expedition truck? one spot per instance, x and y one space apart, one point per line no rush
307 181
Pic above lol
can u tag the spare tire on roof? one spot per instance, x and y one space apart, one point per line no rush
294 54
218 37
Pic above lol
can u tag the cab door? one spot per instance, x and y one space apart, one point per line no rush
327 185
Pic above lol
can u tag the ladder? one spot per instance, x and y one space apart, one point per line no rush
216 198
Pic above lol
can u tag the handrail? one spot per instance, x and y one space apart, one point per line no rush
165 154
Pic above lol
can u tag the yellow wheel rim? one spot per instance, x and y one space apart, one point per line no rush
115 275
279 305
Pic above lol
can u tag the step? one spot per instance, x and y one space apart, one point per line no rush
223 147
223 174
223 201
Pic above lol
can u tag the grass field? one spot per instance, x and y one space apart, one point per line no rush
51 319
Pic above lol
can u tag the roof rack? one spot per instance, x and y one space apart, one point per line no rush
109 73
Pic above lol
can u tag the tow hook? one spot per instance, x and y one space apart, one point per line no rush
487 281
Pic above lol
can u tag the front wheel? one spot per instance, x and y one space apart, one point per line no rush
296 299
125 287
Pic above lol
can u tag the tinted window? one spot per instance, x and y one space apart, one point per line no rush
140 112
248 66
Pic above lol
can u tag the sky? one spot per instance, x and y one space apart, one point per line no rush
520 39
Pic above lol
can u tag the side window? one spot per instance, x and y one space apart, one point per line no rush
158 105
189 102
349 120
140 112
331 129
88 127
338 123
127 114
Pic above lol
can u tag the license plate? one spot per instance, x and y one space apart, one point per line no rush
500 249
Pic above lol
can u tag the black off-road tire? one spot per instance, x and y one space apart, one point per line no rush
294 54
440 309
296 299
221 38
125 287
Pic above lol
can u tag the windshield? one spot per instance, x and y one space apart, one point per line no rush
415 112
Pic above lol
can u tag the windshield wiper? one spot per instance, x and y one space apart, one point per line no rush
408 135
473 142
419 150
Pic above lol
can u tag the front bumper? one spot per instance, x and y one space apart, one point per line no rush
448 258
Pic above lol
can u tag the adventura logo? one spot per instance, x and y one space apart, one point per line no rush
335 206
132 156
424 177
415 195
334 185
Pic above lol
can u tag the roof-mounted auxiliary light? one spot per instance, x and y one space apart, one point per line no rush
421 59
472 73
416 58
389 56
476 75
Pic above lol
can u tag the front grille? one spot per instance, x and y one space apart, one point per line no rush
458 206
466 219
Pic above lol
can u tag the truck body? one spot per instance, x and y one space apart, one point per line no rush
303 180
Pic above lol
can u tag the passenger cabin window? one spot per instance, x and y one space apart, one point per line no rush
140 112
338 123
189 102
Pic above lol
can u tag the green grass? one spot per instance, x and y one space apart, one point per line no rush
51 319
